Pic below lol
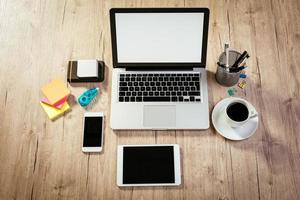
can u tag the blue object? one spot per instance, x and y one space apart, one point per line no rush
243 76
88 96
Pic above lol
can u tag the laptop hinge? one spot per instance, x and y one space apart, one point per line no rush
159 68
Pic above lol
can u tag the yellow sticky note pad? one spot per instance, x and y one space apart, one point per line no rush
53 112
55 91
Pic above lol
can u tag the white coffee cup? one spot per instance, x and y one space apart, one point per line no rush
241 116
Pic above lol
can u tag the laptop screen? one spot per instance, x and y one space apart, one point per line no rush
159 37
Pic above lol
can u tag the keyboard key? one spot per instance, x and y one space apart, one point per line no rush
131 88
162 93
121 99
123 84
132 99
128 93
133 93
192 98
156 99
139 99
121 93
126 99
196 79
129 83
156 93
174 98
145 93
139 93
180 98
192 93
123 88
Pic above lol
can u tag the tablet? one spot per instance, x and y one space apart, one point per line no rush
148 165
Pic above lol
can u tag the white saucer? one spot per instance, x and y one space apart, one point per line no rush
223 128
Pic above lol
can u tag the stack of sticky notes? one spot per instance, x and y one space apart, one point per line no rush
55 101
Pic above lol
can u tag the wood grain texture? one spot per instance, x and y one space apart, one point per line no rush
41 159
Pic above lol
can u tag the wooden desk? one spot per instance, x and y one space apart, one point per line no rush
41 159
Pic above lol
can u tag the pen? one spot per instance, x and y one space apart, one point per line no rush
221 65
243 61
240 59
226 47
237 69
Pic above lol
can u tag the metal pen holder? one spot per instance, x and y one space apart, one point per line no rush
223 76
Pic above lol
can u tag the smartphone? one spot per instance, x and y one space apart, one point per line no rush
92 132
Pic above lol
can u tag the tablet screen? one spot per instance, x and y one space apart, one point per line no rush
142 165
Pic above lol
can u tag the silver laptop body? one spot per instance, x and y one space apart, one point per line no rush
159 79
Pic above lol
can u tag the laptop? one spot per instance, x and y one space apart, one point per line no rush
159 78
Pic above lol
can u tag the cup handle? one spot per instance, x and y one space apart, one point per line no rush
253 113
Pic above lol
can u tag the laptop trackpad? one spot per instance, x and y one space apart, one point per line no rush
159 116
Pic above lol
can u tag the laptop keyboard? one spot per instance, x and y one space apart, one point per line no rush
159 87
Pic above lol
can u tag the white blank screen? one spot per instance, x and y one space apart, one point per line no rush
159 37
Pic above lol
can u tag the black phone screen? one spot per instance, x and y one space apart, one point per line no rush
92 132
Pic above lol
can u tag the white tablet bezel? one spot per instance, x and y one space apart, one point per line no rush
177 170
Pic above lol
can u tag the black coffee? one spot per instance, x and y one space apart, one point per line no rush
237 112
